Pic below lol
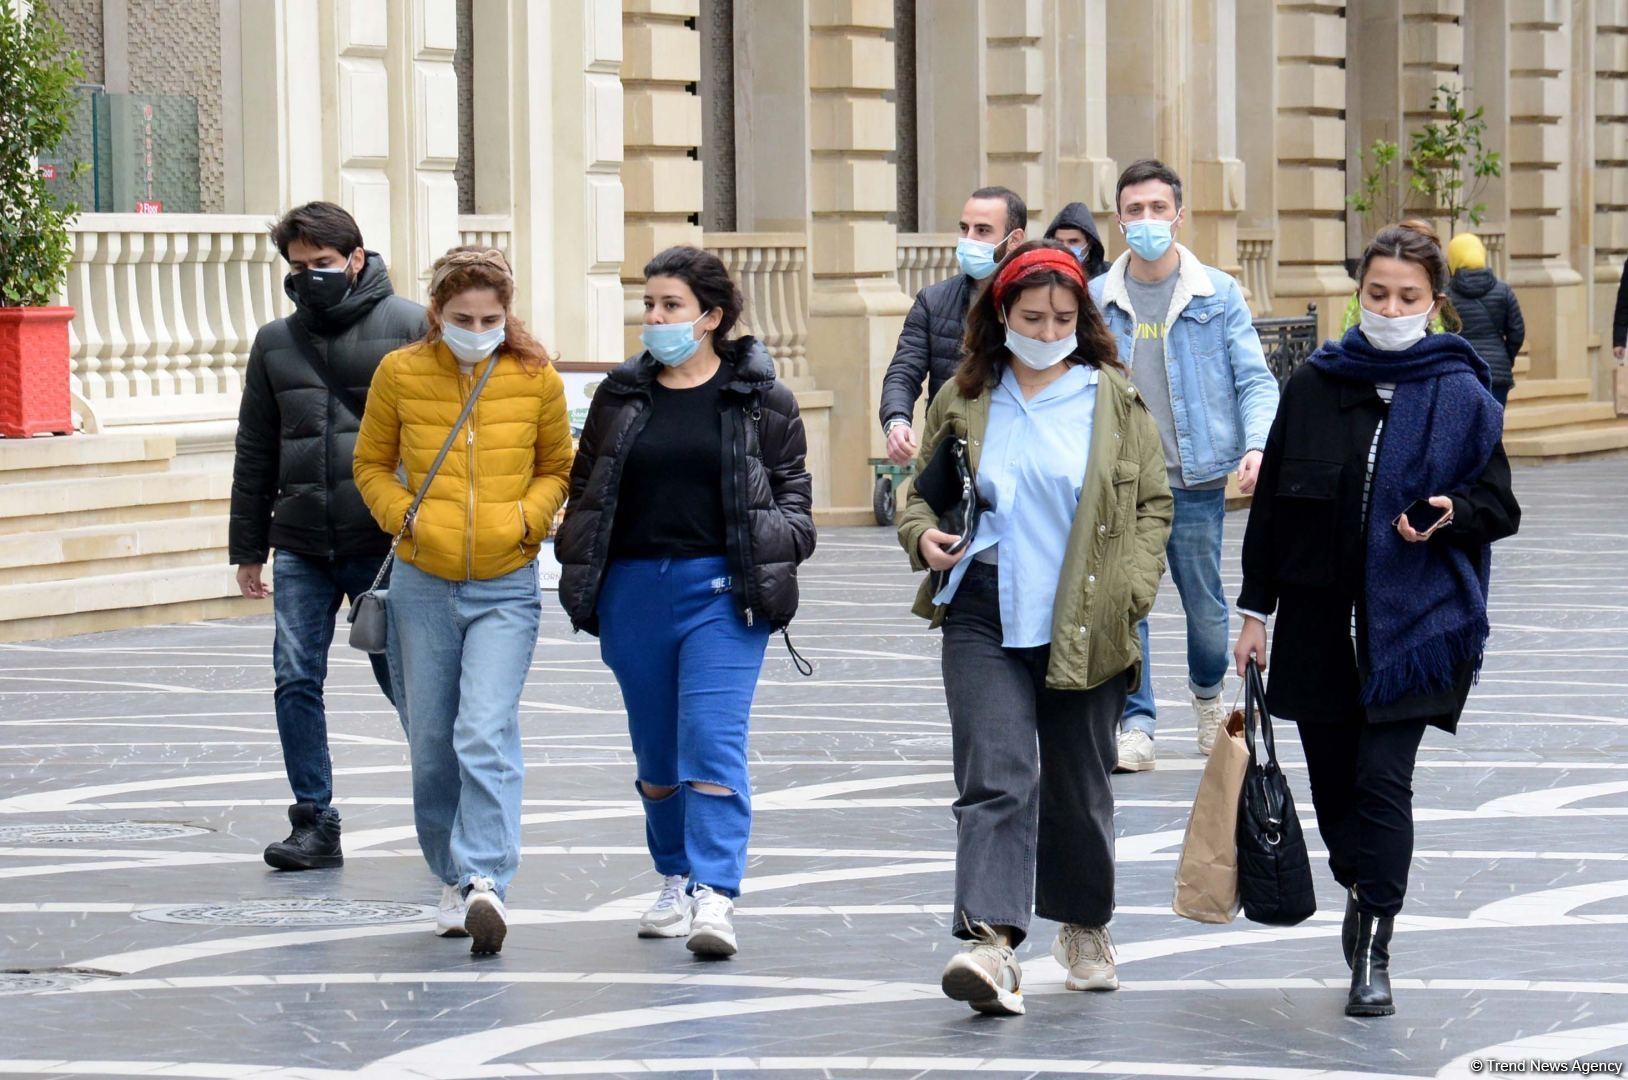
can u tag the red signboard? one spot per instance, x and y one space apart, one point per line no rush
49 172
149 206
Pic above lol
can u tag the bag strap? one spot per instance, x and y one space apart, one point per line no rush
302 338
1255 705
435 466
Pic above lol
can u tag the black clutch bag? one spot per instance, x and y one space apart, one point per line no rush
948 486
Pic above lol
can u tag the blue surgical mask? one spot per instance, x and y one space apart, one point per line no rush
977 258
470 347
1079 252
671 343
1149 238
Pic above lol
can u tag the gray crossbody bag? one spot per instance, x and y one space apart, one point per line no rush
369 618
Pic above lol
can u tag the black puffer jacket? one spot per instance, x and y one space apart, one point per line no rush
767 497
929 348
1076 215
291 480
1492 320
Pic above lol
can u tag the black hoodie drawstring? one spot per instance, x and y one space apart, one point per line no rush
804 668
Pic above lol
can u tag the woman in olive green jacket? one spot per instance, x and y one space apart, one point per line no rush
1039 613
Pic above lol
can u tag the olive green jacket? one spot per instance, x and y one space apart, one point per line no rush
1115 554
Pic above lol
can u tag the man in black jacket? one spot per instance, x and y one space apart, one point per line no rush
1075 227
929 349
303 396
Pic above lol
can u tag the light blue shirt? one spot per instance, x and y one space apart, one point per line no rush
1031 469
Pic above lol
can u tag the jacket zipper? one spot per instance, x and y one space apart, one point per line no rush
469 529
743 535
607 517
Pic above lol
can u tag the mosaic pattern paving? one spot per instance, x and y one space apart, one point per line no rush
1512 948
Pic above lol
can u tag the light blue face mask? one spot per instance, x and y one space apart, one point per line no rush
470 347
977 258
1149 238
1079 252
671 343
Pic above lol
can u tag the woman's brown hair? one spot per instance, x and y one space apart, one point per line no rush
470 267
1414 241
984 348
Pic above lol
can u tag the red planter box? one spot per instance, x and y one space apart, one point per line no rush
34 372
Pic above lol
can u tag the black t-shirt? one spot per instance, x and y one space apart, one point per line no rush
671 503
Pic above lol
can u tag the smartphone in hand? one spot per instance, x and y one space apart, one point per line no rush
1423 516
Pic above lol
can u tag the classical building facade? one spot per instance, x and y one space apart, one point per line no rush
822 147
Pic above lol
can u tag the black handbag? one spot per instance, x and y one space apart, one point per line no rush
369 616
1274 871
950 490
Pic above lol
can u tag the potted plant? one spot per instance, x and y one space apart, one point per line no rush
38 73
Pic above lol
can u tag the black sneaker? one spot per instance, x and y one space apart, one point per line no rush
314 843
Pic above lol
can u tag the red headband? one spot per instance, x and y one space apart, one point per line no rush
1040 258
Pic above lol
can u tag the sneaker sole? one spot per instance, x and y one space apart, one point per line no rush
711 943
486 929
279 860
1135 766
1106 980
451 931
678 929
968 984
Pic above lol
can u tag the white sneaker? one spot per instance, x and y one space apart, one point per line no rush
1210 714
1087 956
670 915
1135 751
711 931
449 917
484 918
985 975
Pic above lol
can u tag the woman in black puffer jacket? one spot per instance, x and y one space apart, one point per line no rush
689 513
1488 309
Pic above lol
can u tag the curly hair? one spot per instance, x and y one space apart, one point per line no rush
983 350
469 267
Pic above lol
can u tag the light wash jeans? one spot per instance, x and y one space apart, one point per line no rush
1194 554
461 652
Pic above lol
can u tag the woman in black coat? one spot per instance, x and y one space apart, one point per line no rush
1381 623
688 516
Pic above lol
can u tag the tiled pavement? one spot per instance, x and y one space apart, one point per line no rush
1512 947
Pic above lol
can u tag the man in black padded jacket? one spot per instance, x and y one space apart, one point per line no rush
303 396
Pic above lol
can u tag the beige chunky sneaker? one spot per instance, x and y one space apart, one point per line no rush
1087 956
1210 714
1135 751
985 975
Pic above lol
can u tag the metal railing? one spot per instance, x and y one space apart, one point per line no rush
1288 342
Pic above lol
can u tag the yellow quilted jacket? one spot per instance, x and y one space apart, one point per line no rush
494 499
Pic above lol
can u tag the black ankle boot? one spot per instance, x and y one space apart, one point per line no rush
1348 928
314 843
1371 969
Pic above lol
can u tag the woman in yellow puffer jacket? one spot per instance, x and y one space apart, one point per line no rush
464 601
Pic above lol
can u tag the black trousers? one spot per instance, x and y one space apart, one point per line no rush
1362 788
1035 812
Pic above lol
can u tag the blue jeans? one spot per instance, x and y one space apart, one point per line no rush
462 651
1194 554
305 599
688 666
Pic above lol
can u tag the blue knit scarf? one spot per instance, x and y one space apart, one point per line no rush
1426 602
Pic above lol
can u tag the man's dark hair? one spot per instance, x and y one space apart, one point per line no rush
320 224
1017 214
1140 172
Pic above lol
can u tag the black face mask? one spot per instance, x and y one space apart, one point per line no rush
319 291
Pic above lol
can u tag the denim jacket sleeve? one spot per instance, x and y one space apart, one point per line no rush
1253 382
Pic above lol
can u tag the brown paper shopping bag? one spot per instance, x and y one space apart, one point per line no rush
1207 872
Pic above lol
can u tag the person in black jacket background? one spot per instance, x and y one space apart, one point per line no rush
929 349
1075 227
292 490
1488 310
689 512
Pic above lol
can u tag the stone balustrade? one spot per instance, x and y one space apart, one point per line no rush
1496 241
925 258
772 272
1255 259
166 307
486 230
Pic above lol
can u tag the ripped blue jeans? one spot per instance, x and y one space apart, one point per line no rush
688 666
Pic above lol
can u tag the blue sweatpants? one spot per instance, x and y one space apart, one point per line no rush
688 666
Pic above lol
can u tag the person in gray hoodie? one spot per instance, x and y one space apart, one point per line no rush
1075 227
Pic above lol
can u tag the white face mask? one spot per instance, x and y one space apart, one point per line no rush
1039 355
1394 334
471 347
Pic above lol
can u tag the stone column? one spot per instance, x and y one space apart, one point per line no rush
1213 174
1310 163
1552 293
290 104
1077 106
1257 88
1611 168
661 176
1486 60
421 92
953 131
771 118
1016 123
856 307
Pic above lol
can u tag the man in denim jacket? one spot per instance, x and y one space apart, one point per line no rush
1185 332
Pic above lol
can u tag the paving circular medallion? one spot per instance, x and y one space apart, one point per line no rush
94 832
291 912
23 981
